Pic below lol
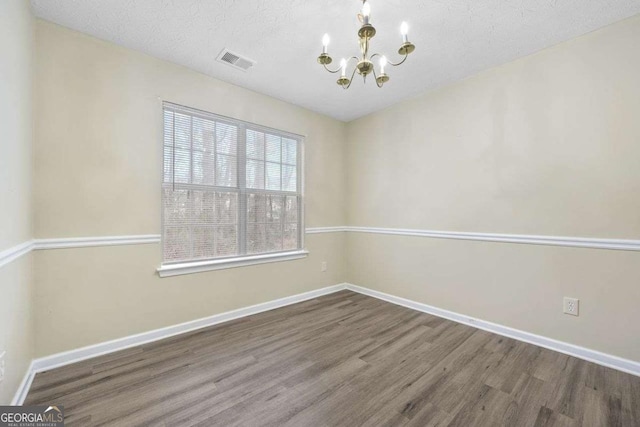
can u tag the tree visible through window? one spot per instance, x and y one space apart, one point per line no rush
229 188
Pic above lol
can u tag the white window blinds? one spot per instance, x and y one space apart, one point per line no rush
230 188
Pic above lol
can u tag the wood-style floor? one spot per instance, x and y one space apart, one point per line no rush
340 360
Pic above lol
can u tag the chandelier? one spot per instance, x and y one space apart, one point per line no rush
364 65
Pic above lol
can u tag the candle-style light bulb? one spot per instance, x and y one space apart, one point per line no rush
343 65
404 30
366 12
383 63
325 43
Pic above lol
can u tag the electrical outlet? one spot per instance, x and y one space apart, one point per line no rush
571 306
323 266
2 365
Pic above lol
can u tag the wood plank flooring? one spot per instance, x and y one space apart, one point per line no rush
344 359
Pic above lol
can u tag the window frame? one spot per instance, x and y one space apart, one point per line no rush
172 268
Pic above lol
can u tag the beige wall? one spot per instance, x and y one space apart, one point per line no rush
16 54
98 169
91 295
99 154
17 336
545 145
16 61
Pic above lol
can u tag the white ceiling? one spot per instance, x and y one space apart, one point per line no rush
453 38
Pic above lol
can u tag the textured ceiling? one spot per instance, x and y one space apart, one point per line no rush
454 39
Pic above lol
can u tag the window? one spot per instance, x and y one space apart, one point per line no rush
231 191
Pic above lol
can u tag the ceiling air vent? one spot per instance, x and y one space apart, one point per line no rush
236 61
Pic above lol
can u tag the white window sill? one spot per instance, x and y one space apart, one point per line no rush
169 270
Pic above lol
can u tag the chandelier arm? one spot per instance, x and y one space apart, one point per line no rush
331 71
375 77
339 68
389 62
352 75
406 55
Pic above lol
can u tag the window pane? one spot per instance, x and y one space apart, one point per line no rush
168 163
289 151
273 176
256 238
226 167
255 145
176 206
182 129
226 208
203 134
203 168
255 174
256 208
273 148
176 244
274 208
289 178
290 237
291 209
274 238
226 137
183 166
168 128
226 240
201 152
203 242
203 210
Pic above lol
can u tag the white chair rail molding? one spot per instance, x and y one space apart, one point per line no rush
11 254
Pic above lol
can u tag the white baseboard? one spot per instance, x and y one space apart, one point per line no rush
608 360
25 385
72 356
77 355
